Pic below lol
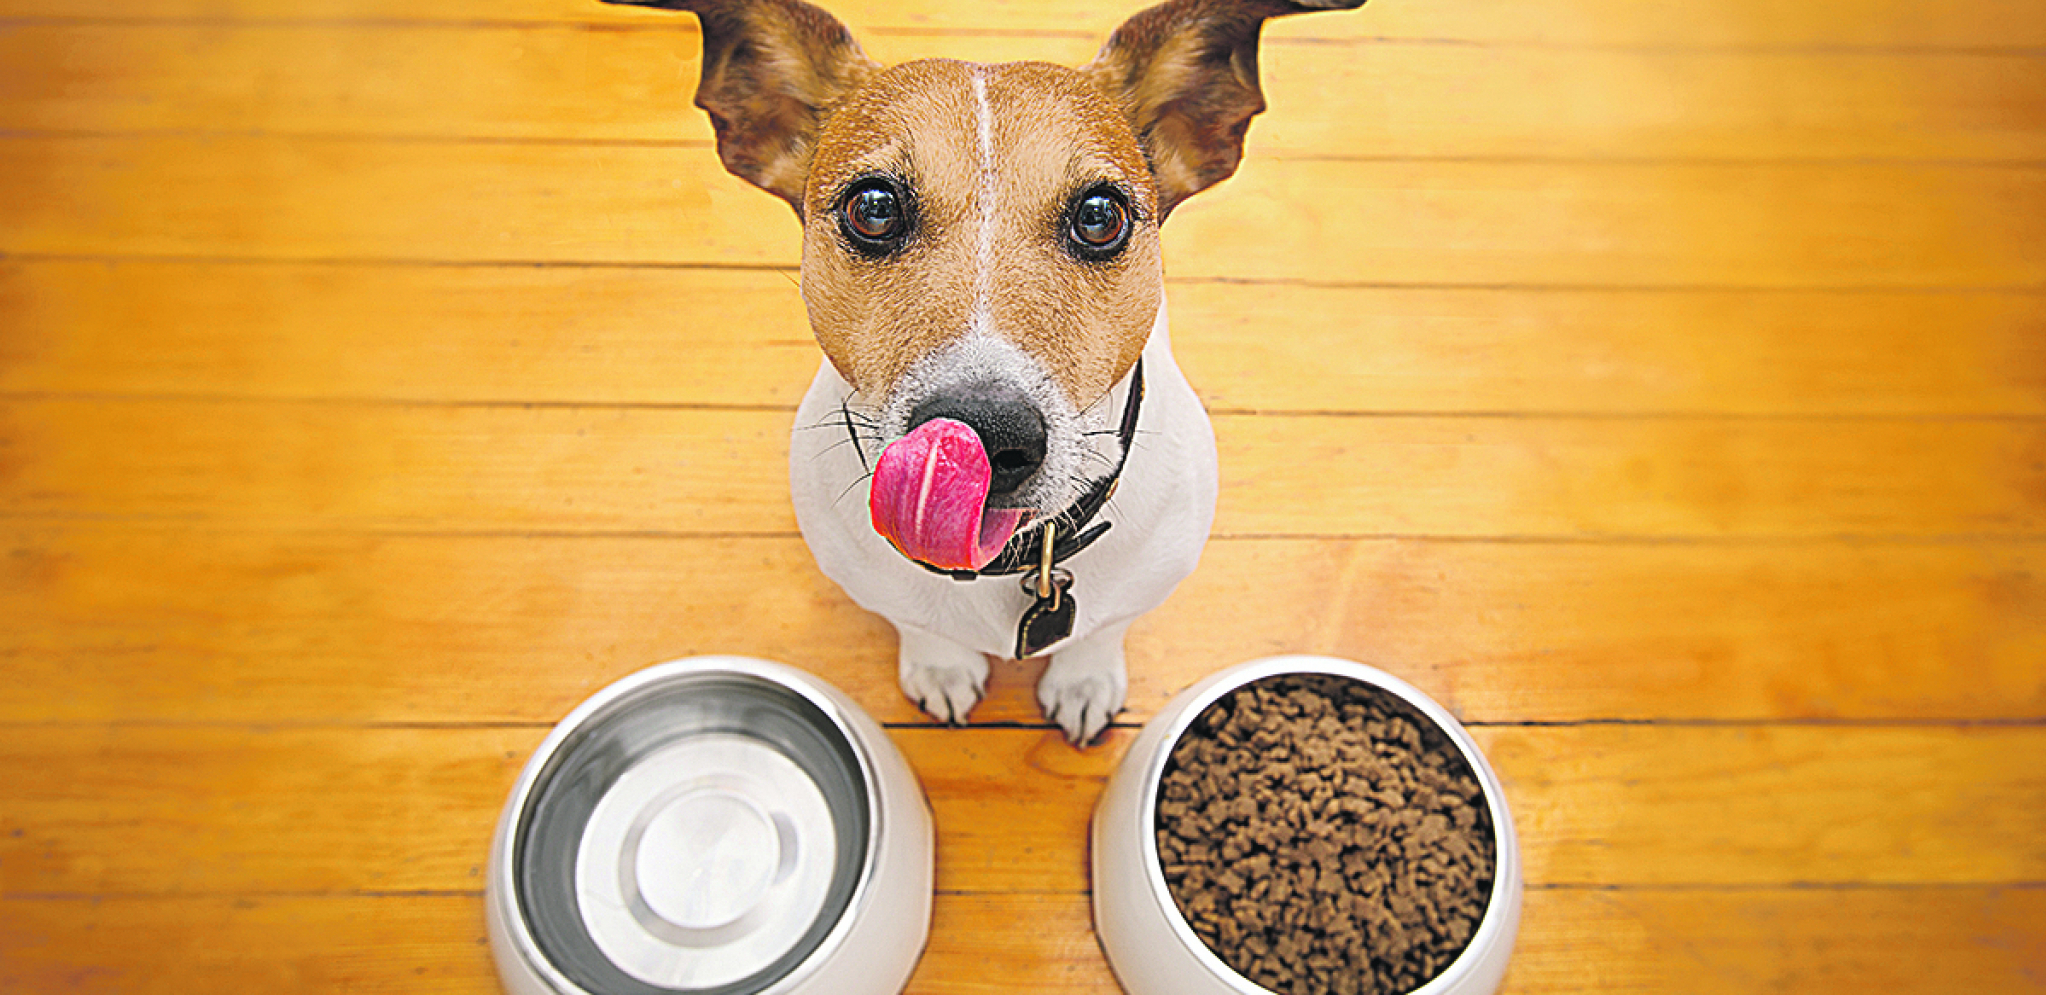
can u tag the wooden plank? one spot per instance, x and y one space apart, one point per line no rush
403 467
1991 24
984 944
1564 632
241 197
1861 225
1908 941
1632 477
125 624
152 625
406 332
639 336
1868 225
689 471
1616 352
152 810
212 810
506 82
1931 941
1452 101
543 334
1611 805
249 943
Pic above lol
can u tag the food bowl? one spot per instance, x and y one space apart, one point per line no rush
1151 945
712 826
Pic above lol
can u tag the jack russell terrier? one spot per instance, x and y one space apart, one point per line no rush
998 454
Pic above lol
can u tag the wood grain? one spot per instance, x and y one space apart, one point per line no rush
538 83
1634 940
1823 225
1660 385
129 625
739 338
460 468
1616 352
403 943
2002 25
1675 477
174 810
1768 225
1767 940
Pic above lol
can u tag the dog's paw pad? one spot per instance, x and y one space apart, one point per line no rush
948 694
1081 706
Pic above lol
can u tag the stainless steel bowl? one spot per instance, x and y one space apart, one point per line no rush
712 826
1150 945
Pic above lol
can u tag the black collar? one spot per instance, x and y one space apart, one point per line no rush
1026 552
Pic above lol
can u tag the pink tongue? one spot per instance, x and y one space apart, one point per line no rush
929 490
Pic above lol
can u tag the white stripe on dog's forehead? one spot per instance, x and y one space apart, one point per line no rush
985 195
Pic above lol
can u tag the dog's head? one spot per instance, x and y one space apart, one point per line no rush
980 249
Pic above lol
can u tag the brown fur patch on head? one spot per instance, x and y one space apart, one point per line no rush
871 317
993 159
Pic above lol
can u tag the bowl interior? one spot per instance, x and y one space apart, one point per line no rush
1386 839
765 734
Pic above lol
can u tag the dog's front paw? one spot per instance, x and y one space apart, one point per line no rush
1083 689
947 693
944 679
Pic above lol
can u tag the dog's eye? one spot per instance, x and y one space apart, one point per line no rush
874 215
1100 223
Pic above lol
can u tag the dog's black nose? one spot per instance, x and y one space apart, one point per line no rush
1009 426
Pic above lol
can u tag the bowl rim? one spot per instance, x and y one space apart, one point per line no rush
503 879
1198 698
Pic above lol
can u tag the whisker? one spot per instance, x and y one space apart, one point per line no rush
857 481
1098 402
847 413
1141 436
833 424
846 410
1105 461
836 446
838 420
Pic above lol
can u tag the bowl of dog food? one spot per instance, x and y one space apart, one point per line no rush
712 826
1305 826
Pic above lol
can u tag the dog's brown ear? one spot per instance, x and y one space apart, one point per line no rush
1186 73
772 70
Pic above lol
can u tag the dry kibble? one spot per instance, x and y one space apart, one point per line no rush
1325 839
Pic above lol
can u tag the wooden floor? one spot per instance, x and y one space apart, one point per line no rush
1660 384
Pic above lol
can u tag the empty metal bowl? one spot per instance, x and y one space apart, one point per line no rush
1149 943
712 826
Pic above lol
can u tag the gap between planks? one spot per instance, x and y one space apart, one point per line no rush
328 725
595 404
794 270
687 27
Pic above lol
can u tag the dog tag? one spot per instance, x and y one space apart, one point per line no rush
1048 620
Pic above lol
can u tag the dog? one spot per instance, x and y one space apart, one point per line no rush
998 454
